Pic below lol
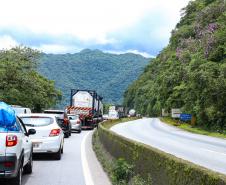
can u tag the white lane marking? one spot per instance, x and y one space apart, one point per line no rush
85 166
216 152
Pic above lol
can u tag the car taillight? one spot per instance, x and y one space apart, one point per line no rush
8 164
66 121
54 132
78 122
11 140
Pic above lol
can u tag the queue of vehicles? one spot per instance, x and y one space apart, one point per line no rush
23 133
34 133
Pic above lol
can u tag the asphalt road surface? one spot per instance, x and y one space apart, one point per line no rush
205 151
67 171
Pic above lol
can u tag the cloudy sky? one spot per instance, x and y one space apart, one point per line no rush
68 26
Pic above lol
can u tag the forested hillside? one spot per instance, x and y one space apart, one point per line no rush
190 73
108 74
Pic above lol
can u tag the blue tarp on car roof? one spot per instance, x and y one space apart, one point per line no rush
7 115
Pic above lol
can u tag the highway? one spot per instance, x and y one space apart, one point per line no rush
205 151
67 171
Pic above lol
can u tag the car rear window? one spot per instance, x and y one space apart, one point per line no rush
53 112
14 128
37 121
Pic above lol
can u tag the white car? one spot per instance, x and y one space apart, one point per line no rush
49 137
15 152
21 110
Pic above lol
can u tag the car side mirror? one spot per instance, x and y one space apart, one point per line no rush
31 132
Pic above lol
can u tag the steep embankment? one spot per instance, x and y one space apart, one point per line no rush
190 73
108 74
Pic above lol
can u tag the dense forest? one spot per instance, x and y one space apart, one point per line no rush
190 73
108 74
21 84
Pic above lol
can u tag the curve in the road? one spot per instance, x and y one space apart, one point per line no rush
205 151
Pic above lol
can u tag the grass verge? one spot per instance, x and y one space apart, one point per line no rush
193 129
110 123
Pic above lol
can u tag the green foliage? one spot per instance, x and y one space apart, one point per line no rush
122 171
154 166
190 72
21 84
108 74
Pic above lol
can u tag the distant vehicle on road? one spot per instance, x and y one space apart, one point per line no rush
62 120
105 117
15 150
21 110
132 113
88 105
49 137
113 114
121 110
76 124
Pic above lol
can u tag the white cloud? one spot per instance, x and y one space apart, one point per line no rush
55 48
7 42
144 54
58 26
85 19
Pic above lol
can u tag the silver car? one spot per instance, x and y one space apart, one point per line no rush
76 124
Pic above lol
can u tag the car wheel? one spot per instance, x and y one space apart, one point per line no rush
58 155
29 165
18 179
66 135
79 131
62 149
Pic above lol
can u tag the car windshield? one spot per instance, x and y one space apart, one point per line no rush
37 121
73 117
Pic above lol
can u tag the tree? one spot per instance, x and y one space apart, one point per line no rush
20 82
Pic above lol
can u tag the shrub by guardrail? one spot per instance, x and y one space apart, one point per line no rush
163 168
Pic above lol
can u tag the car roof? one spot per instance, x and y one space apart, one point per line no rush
52 110
38 115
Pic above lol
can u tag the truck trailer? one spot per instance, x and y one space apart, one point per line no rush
88 105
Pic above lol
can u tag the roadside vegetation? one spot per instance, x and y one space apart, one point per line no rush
119 170
21 84
194 129
190 73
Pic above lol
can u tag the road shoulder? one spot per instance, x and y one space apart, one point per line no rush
99 177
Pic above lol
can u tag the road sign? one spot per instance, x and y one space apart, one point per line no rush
175 113
185 117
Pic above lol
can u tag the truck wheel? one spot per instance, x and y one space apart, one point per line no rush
18 179
29 165
58 155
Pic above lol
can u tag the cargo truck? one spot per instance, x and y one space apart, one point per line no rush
88 105
117 111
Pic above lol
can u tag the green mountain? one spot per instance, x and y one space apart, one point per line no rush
190 73
108 74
